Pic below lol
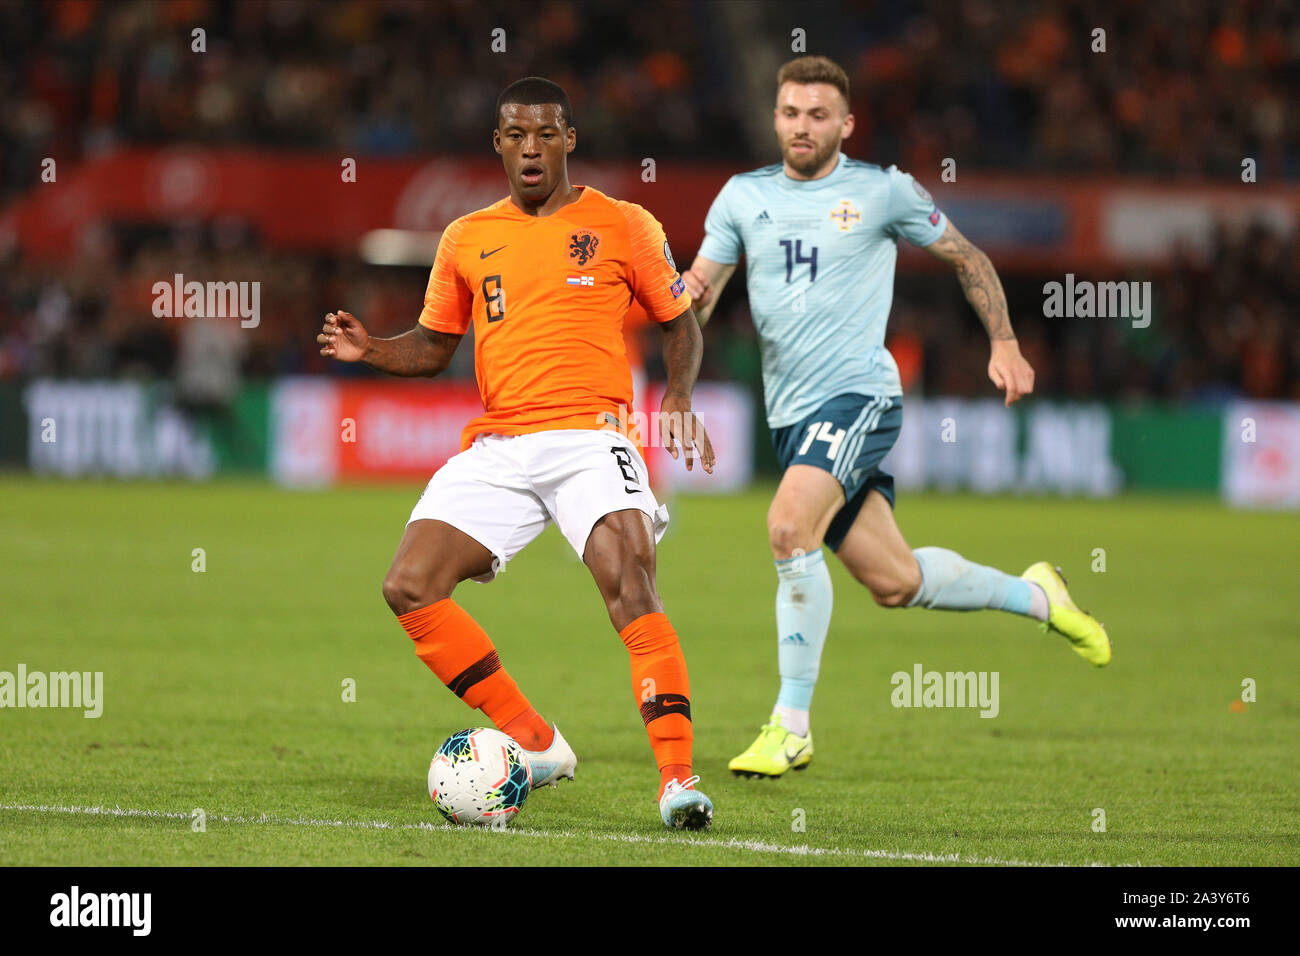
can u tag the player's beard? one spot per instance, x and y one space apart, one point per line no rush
809 163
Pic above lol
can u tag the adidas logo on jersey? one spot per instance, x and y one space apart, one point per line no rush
581 280
763 219
795 638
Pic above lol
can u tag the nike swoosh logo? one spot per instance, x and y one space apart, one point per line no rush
631 491
674 703
793 756
484 255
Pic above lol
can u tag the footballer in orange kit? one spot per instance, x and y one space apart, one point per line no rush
546 276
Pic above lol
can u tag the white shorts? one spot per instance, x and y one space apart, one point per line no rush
504 490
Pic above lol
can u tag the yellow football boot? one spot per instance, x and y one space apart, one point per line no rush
774 752
1085 632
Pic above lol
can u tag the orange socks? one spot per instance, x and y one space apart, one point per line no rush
663 691
532 732
454 647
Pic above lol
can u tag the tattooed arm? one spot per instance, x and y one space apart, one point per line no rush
978 280
420 351
683 349
1007 367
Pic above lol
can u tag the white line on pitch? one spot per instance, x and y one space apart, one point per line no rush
753 846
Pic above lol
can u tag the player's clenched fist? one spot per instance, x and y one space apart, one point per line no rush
343 337
1009 370
699 286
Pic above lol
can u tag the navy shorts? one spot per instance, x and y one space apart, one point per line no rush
848 436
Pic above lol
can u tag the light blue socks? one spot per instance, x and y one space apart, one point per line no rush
803 613
804 600
951 583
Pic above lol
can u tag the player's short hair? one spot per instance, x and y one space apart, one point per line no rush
815 69
533 91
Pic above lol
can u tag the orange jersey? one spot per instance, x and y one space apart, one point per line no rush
547 296
636 319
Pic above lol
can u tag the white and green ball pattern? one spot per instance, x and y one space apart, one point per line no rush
479 776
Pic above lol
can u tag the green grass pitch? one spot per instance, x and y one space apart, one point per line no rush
223 690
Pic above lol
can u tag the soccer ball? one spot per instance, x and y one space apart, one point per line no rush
479 776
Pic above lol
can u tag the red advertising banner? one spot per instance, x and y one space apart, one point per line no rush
303 201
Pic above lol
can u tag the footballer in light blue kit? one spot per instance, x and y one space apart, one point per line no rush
819 233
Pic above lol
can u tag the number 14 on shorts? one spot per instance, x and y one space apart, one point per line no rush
823 431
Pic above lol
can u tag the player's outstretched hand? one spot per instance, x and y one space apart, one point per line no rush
678 425
344 337
1009 370
699 286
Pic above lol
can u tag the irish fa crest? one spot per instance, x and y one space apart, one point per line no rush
846 215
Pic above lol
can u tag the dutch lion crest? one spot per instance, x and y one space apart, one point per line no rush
583 247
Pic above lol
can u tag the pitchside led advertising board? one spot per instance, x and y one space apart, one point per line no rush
322 431
313 432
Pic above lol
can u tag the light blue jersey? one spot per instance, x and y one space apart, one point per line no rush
821 257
